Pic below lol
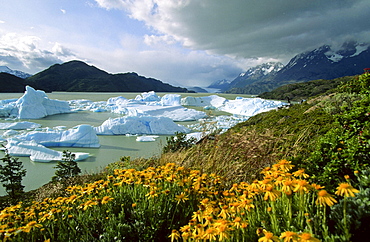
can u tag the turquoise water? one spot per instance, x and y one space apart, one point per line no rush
112 147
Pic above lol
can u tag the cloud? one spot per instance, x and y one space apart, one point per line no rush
23 53
2 22
167 63
252 29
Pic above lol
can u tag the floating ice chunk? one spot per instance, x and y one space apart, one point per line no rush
35 104
249 106
10 133
148 97
171 100
139 125
196 135
213 100
19 125
117 100
176 113
146 138
8 108
80 136
32 105
37 152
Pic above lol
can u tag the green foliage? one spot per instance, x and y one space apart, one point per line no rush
11 175
66 168
304 90
345 148
178 142
357 209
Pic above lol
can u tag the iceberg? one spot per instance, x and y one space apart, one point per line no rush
37 152
171 100
148 97
140 125
176 113
33 105
20 125
209 101
249 106
146 138
80 136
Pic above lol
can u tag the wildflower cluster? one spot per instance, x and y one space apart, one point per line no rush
282 203
176 203
147 204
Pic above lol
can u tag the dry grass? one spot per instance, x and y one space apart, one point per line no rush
237 156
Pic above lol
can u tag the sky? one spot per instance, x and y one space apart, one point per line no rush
181 42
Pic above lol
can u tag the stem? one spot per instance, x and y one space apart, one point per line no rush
345 225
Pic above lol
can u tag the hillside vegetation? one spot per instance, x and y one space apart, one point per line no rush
294 174
304 90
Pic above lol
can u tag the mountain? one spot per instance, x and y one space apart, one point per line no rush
77 76
197 89
20 74
221 85
255 74
321 63
11 83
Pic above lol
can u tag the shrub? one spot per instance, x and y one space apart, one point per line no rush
178 142
66 168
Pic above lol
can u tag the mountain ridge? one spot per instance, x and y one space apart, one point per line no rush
324 62
77 76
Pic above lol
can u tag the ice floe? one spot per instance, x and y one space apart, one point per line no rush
146 138
80 136
20 125
38 152
146 115
34 104
140 125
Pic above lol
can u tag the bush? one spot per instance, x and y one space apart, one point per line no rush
67 167
178 142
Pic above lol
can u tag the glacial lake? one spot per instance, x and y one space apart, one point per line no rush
112 147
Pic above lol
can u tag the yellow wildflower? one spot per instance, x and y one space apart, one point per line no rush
181 197
106 199
301 186
289 236
175 235
325 198
210 234
269 237
285 165
288 187
307 237
300 173
346 190
271 194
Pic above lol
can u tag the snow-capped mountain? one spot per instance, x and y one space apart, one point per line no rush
324 62
20 74
327 63
255 74
221 85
